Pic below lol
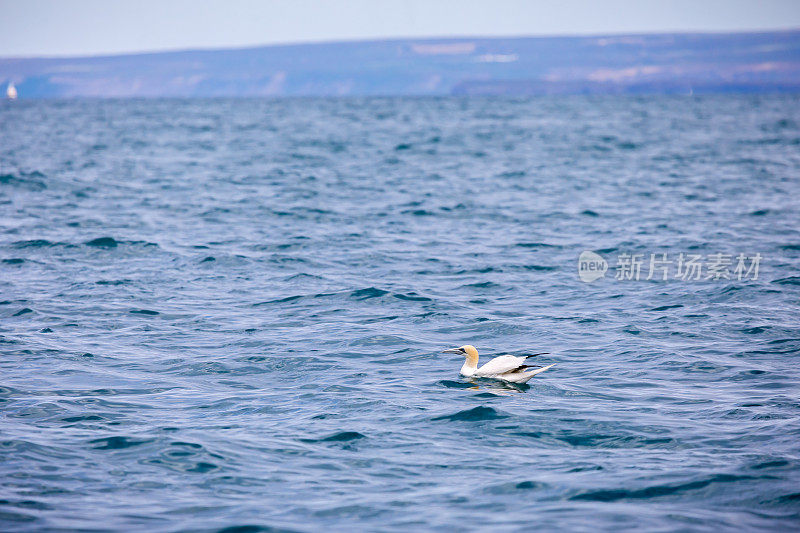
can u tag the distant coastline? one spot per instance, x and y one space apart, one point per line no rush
674 63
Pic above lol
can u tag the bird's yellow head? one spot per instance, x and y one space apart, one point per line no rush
467 351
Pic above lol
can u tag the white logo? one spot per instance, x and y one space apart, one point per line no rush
591 266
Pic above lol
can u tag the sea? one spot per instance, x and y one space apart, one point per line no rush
227 315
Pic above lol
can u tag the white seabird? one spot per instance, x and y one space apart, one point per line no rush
506 367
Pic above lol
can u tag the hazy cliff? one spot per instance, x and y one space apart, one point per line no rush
665 63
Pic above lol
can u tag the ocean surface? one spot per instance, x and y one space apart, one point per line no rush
227 315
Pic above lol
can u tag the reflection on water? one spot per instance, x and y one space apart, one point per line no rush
497 387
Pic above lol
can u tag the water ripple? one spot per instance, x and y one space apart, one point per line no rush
228 315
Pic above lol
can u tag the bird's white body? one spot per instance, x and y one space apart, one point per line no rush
505 367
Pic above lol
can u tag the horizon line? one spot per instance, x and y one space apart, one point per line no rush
587 35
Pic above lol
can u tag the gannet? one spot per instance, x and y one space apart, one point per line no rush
506 367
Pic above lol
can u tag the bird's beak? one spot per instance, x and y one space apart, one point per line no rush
454 350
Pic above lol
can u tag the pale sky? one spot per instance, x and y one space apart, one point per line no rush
91 27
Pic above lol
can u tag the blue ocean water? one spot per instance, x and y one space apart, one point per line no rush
228 314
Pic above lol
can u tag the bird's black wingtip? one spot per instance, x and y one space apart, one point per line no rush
534 355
